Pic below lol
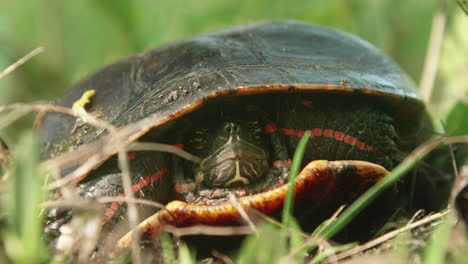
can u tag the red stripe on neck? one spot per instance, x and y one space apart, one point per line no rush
318 132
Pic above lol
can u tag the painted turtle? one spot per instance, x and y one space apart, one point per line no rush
240 99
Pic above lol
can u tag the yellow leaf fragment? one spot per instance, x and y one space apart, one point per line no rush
79 106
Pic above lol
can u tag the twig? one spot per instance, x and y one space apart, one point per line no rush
388 236
208 230
330 220
23 109
222 257
91 162
150 146
20 62
242 212
100 149
132 213
78 202
312 239
124 165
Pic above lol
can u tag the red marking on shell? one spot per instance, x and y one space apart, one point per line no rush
317 132
327 133
270 128
179 146
339 135
132 155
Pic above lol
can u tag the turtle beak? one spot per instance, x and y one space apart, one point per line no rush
236 162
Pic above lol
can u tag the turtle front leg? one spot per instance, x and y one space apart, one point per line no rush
319 180
149 181
56 219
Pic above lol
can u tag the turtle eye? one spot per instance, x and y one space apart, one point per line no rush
199 139
256 129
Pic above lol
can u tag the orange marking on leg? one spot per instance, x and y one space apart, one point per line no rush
316 182
114 206
158 174
107 215
184 187
110 212
139 185
282 163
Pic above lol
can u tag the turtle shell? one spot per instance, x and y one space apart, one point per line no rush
156 86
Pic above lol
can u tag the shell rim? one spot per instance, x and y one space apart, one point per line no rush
143 126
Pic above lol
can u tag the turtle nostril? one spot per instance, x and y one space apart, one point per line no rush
231 128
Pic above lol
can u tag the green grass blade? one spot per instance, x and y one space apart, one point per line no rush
295 167
268 245
330 251
22 201
167 248
463 5
185 255
438 243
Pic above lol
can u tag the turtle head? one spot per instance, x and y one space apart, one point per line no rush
235 153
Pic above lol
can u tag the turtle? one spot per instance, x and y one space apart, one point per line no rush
240 99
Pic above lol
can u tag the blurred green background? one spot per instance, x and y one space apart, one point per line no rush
83 35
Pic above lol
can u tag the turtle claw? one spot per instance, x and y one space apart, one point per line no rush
319 180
